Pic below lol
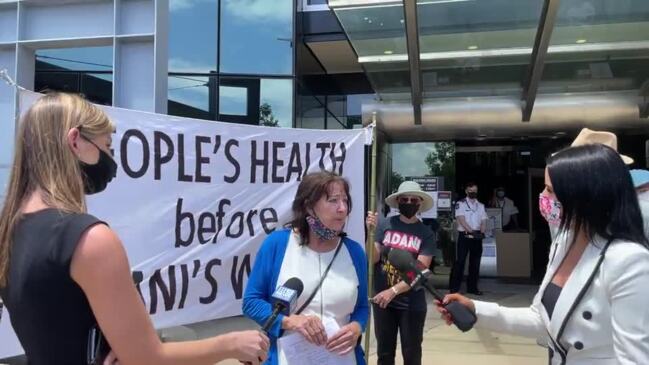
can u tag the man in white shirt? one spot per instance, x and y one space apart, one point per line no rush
471 225
641 183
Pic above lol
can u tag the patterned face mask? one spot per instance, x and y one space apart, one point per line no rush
322 231
550 209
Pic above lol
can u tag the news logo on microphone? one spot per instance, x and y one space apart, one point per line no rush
287 297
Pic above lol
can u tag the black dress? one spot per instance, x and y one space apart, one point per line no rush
49 311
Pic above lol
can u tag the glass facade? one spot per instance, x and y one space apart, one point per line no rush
232 61
598 46
256 37
87 71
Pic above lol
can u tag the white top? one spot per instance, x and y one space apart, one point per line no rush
337 296
508 209
473 211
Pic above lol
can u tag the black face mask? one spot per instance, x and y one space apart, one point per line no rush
472 195
408 210
97 176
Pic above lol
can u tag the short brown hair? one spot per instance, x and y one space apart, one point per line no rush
312 188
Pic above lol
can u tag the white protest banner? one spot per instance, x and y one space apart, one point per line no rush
194 199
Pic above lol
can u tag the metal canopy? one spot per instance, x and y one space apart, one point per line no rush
541 44
412 40
422 52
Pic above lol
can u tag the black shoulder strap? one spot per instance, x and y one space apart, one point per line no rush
324 275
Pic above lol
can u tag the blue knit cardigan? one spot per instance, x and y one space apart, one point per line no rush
263 281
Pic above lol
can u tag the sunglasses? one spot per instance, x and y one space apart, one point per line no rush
412 199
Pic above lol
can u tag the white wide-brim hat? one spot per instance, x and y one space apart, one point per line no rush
410 188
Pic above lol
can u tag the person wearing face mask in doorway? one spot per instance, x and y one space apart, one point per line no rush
397 309
472 223
507 208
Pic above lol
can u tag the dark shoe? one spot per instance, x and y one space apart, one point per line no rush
475 292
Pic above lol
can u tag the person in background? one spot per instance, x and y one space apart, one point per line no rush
641 183
591 306
312 241
471 225
508 209
63 271
397 309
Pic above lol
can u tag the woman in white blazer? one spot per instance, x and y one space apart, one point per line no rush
593 304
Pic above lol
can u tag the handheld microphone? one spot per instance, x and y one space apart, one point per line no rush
403 261
284 300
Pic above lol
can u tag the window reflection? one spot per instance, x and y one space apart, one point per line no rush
192 96
193 31
88 71
256 101
277 97
311 112
256 36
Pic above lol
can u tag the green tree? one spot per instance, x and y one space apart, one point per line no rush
266 117
441 162
395 180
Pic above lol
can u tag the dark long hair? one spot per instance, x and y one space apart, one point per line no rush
313 187
595 189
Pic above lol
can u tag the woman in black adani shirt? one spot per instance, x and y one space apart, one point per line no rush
397 309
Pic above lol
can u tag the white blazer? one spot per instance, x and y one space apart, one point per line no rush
604 323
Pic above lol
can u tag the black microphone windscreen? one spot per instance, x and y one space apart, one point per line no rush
402 260
295 284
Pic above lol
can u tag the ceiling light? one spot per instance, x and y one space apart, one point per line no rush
388 52
472 47
580 41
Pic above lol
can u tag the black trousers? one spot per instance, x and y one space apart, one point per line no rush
409 325
472 247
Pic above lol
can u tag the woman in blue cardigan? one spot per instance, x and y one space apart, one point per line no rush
304 250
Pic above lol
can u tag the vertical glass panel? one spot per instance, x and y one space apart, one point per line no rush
276 105
256 37
336 108
87 71
193 31
311 112
233 100
424 159
192 96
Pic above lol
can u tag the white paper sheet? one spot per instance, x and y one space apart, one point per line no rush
294 349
